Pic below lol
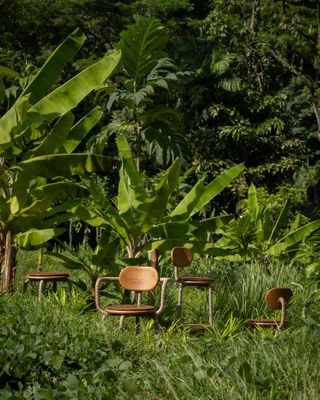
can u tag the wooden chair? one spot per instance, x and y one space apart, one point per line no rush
136 279
182 257
46 277
276 299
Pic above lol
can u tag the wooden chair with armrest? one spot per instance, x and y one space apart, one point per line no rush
276 299
182 257
136 279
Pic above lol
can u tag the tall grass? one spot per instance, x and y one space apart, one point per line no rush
52 348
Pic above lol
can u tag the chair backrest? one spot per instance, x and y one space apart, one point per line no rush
273 295
139 278
181 256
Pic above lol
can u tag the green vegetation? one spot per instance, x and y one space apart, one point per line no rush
53 349
155 124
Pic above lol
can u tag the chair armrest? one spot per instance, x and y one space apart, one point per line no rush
283 312
97 291
164 282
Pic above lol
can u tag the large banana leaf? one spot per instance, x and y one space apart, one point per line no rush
283 216
65 165
217 186
200 195
253 205
294 238
80 130
55 165
59 191
12 120
155 207
131 191
67 96
185 208
52 68
36 238
55 138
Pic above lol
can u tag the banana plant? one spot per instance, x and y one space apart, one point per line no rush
261 233
142 218
94 263
37 137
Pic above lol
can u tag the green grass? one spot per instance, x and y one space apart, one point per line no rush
53 349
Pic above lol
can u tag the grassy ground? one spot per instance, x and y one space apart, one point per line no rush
55 349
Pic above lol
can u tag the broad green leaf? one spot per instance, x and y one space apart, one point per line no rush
66 165
172 230
155 207
13 119
59 191
186 206
56 165
277 249
217 185
80 130
68 96
55 138
283 216
106 250
212 224
35 238
66 261
300 234
253 205
51 70
142 45
88 216
131 189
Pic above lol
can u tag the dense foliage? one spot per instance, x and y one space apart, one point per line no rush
206 116
52 349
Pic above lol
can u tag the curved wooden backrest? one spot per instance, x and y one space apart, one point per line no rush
181 256
139 278
272 297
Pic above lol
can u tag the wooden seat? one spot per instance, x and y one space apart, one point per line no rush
136 279
182 257
276 299
45 277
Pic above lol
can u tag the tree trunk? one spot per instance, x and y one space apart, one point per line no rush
254 15
316 110
9 266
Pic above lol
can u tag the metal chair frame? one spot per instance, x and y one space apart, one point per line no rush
182 257
139 310
46 277
276 299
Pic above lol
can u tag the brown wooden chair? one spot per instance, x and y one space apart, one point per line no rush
182 257
136 279
46 277
276 299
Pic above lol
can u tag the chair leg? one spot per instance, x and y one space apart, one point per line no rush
25 285
41 287
121 323
69 285
179 307
54 287
210 304
137 324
